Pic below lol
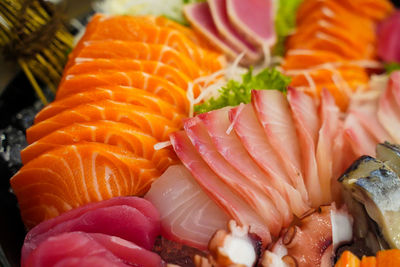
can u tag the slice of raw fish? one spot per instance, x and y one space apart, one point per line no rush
389 39
140 117
249 192
65 249
199 16
230 147
394 83
131 218
272 110
254 19
305 117
252 136
188 215
389 112
228 32
75 175
112 133
219 192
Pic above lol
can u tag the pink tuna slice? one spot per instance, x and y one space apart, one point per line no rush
307 124
254 19
216 189
199 16
230 147
68 249
255 141
389 39
249 192
389 111
273 112
188 215
329 114
132 218
226 30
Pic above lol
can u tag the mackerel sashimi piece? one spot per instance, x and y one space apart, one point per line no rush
188 215
156 68
113 49
228 32
167 91
216 189
117 134
252 135
306 120
199 16
75 175
230 147
272 110
131 218
140 117
249 192
254 19
128 95
78 249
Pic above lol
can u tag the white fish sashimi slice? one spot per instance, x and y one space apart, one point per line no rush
249 192
389 113
231 148
216 189
306 121
188 215
394 83
272 110
255 141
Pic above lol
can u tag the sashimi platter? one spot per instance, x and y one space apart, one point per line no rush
209 133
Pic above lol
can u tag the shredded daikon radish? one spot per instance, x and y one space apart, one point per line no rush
190 97
310 81
162 145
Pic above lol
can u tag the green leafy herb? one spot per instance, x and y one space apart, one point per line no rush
390 67
236 92
285 23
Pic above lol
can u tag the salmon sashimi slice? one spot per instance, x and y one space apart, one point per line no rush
373 9
187 214
108 132
72 176
230 147
305 58
123 94
113 49
272 110
221 194
306 120
249 192
150 83
140 117
389 112
156 68
255 141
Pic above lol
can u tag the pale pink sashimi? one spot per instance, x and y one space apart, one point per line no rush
329 114
389 113
273 112
394 83
131 218
254 139
229 146
188 215
249 192
360 140
305 117
216 189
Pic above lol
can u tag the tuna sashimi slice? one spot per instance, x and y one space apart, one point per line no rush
77 248
249 192
199 16
228 32
75 175
142 118
254 19
108 132
219 192
252 136
272 110
307 123
123 94
230 147
389 112
131 218
188 215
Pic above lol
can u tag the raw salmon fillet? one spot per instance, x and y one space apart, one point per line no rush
143 118
72 176
107 132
